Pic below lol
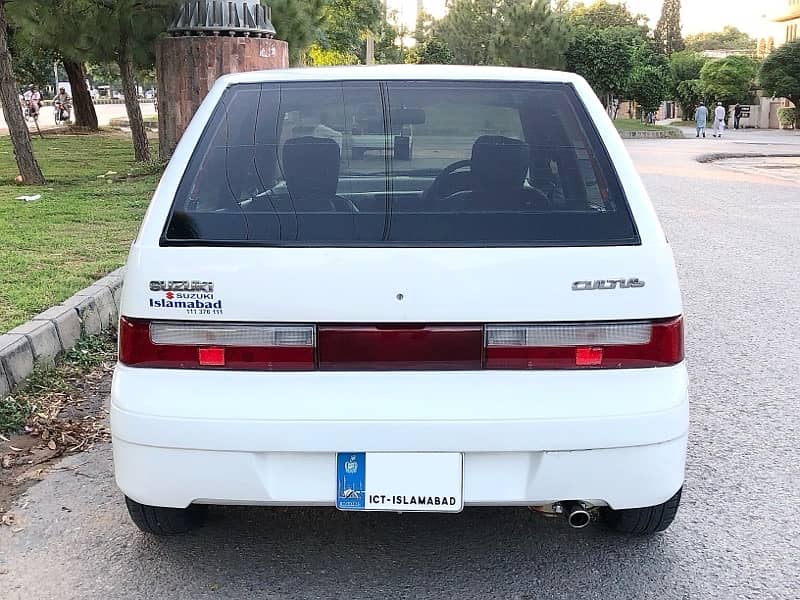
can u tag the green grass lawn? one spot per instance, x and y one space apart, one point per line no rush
78 231
637 125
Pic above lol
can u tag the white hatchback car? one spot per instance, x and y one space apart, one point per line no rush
495 320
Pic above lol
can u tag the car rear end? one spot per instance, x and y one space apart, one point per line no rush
495 321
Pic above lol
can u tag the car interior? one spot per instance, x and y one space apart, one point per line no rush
307 166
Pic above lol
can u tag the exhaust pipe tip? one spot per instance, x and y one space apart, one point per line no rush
577 514
579 518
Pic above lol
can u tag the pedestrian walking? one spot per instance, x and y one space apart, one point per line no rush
701 119
719 120
737 115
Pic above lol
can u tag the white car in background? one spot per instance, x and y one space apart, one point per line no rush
494 321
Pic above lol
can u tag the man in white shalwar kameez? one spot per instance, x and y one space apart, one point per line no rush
719 120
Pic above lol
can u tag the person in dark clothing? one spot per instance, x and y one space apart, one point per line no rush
737 115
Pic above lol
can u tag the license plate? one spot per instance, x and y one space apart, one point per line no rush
400 481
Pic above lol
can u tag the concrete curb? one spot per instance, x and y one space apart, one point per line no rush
708 158
675 133
49 334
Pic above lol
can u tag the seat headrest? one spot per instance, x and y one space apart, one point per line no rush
499 162
311 168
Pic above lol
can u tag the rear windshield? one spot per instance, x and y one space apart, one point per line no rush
411 163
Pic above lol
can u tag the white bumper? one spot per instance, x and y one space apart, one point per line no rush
614 437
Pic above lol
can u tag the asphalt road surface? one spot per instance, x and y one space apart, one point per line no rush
736 236
105 112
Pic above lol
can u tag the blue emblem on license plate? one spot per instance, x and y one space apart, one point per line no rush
351 480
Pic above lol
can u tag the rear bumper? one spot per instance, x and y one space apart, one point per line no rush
612 437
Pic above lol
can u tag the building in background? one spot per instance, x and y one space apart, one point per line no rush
790 21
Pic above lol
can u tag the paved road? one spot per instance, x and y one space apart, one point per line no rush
737 535
105 112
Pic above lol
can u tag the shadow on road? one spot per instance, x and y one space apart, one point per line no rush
507 553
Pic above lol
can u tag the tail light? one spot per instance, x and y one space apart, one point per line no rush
622 345
250 346
186 345
400 347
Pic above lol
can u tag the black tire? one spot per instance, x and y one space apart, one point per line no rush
159 520
642 521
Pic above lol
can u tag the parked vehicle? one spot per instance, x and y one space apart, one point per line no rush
495 320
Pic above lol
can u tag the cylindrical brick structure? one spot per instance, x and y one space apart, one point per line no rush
188 66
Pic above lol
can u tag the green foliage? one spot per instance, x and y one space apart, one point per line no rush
528 35
689 93
298 22
345 25
467 30
603 57
602 15
320 57
787 117
780 72
728 80
730 38
684 79
648 85
432 51
505 32
667 33
33 64
96 30
424 26
387 50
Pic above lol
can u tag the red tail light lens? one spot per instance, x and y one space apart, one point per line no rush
186 345
257 347
622 345
400 347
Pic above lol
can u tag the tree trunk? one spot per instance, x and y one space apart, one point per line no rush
141 145
9 96
85 115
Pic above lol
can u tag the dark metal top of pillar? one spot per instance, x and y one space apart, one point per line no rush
222 17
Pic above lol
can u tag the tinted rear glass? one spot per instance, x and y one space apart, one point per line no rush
415 163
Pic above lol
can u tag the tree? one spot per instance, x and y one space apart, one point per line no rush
730 38
423 29
667 33
780 75
9 97
298 22
85 114
346 23
684 78
528 34
33 64
432 51
467 30
648 86
602 15
603 57
387 50
126 31
728 80
320 57
54 24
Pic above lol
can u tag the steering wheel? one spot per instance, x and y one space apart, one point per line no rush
434 192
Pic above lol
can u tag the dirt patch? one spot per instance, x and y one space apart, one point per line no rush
68 414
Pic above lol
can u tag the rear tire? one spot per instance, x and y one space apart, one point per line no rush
160 520
642 521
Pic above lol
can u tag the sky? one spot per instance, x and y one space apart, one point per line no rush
751 16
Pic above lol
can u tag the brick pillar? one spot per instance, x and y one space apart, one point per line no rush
187 67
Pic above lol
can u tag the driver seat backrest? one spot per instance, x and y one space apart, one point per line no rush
311 171
499 163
